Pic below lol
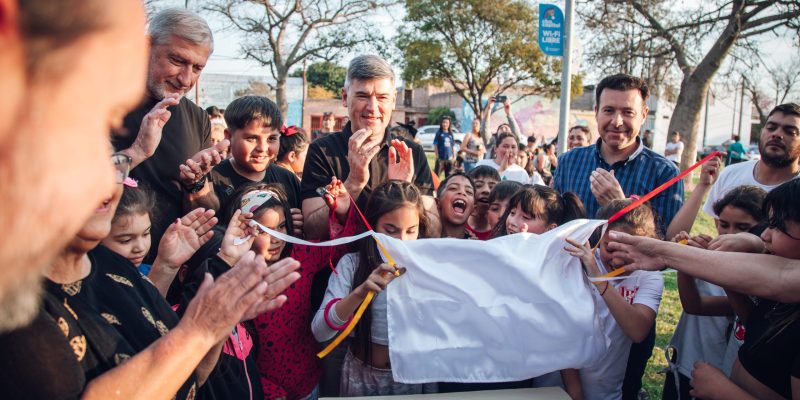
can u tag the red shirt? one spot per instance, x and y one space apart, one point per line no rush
480 235
287 349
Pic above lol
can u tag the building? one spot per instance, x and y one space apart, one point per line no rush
221 89
726 113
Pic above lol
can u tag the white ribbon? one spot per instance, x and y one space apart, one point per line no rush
294 240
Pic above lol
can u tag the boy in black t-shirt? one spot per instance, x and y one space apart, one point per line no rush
254 133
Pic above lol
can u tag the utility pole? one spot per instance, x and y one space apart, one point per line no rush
566 81
741 110
705 119
733 120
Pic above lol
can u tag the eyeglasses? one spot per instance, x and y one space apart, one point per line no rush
122 165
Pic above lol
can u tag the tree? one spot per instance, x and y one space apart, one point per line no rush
320 93
696 39
478 47
281 34
782 79
325 74
435 115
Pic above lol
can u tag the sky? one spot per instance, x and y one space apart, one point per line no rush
227 58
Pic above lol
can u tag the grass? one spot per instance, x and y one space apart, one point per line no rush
668 314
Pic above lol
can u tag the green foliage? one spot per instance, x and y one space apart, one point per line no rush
325 74
475 46
435 115
577 85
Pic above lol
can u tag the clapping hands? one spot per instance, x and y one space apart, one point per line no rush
195 168
401 162
183 237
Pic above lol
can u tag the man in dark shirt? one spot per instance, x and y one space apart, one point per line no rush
167 129
328 122
360 154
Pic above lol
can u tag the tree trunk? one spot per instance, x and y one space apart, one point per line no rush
694 88
686 118
280 94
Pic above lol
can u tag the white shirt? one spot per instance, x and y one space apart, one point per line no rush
675 146
340 284
514 173
732 176
603 380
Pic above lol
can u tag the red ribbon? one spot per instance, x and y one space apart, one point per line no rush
661 188
363 219
289 130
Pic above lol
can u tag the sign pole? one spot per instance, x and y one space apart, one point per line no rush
566 81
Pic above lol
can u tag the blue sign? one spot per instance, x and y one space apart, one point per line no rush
551 30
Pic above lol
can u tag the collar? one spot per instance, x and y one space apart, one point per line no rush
639 150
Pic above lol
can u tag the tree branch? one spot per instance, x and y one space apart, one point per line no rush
680 53
779 18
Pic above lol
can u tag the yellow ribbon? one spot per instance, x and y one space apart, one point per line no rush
360 311
621 270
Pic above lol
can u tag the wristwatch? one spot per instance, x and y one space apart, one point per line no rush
195 187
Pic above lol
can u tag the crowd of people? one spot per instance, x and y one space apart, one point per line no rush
170 272
529 162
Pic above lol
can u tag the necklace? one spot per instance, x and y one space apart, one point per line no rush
755 174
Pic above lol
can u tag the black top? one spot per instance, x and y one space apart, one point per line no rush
327 157
85 329
319 134
186 132
226 180
237 362
39 363
771 351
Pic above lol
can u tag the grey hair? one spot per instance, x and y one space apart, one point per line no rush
182 23
368 67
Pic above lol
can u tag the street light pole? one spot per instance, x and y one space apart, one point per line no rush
566 81
305 90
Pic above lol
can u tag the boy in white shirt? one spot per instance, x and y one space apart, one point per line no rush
627 307
674 148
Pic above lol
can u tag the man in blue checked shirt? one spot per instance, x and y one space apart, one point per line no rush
618 166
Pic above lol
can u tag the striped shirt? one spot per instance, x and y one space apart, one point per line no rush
639 174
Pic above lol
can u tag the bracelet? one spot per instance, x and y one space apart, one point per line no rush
327 319
604 290
195 187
